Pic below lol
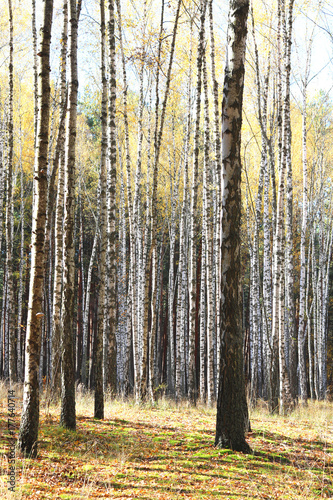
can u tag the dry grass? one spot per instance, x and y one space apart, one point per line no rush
167 452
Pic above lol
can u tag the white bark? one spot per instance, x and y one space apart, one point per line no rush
68 412
194 210
28 434
209 242
232 413
58 228
21 268
217 186
9 205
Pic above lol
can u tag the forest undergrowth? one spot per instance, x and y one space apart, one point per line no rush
167 452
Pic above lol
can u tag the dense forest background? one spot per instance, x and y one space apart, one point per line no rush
147 192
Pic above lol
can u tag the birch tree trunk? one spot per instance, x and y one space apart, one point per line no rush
209 238
28 433
80 297
21 268
123 293
58 225
290 302
171 283
267 259
285 394
217 180
132 256
277 238
312 258
153 251
182 266
99 382
203 321
86 308
110 371
267 279
2 179
9 207
67 417
35 64
192 390
232 414
262 97
256 313
48 250
325 301
319 293
137 209
4 329
308 313
278 331
303 273
149 263
324 309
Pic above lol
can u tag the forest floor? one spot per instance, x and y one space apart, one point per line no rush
166 452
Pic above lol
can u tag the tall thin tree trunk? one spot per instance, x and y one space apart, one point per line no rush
21 268
278 250
175 351
2 180
312 362
67 416
9 206
193 213
132 256
2 177
110 371
290 301
58 225
159 125
171 283
325 306
302 281
99 385
28 434
217 146
34 49
207 182
86 309
124 332
232 414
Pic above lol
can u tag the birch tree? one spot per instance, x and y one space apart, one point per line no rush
232 415
159 126
280 383
9 205
209 239
21 268
217 147
67 417
28 433
179 357
58 224
99 385
303 263
193 211
289 330
110 373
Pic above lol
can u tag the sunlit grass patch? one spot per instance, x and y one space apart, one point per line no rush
166 451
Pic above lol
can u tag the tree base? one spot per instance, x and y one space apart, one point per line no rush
68 423
99 411
28 449
240 445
